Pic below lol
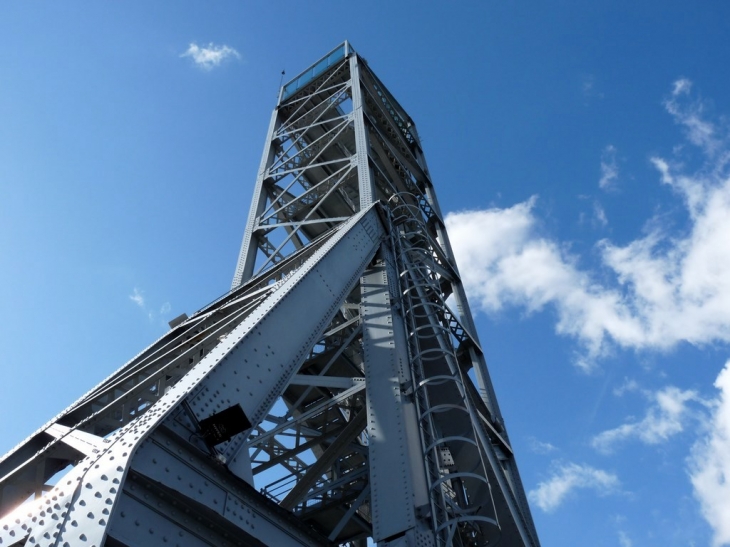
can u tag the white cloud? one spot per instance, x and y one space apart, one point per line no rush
539 447
569 477
137 297
588 85
681 87
654 292
627 387
210 56
599 214
624 539
510 264
710 464
700 131
590 90
667 416
609 168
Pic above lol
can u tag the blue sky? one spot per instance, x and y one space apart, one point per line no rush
581 151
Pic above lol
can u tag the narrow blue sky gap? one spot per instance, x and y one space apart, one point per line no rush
581 151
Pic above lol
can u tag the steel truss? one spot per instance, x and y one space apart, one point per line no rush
330 397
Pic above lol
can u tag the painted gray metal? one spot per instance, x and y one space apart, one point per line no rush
244 268
394 448
362 142
78 511
344 376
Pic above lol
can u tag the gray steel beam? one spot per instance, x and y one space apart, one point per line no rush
367 192
353 428
249 245
89 493
205 493
394 448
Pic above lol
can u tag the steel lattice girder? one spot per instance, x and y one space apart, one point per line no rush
85 505
382 144
332 371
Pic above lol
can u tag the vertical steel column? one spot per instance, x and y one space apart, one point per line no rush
362 143
397 475
249 245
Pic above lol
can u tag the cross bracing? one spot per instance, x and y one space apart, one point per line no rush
332 396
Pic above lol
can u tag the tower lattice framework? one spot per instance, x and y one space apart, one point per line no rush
331 396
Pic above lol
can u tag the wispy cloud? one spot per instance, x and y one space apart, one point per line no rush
609 168
710 463
137 297
628 386
681 87
599 214
588 84
567 478
539 447
590 89
690 114
210 56
668 414
664 288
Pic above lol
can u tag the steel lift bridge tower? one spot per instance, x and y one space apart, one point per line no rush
326 399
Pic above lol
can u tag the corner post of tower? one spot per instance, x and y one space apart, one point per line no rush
478 360
249 245
362 143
